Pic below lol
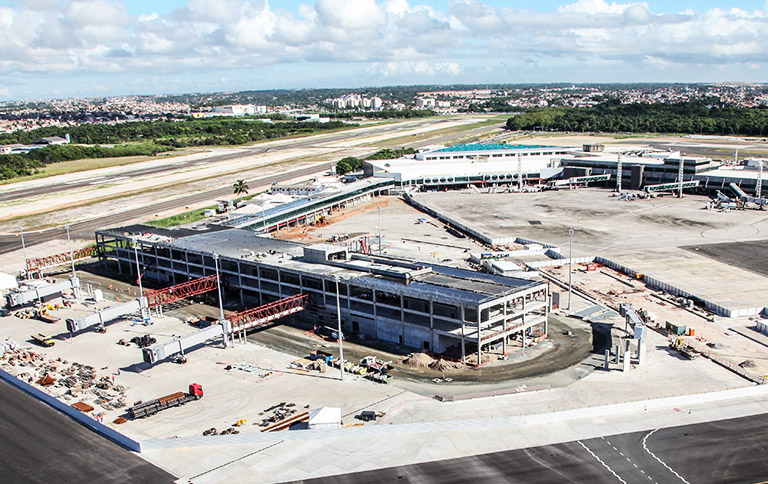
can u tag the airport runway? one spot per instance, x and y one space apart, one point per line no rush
85 230
727 451
299 143
40 445
12 242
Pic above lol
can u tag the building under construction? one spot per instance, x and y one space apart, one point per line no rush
419 305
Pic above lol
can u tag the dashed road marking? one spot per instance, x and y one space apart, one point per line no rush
600 461
645 447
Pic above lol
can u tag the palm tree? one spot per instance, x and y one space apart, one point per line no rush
240 187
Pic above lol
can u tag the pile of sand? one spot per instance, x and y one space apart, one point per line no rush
419 360
443 365
487 358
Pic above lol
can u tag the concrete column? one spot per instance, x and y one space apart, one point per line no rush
504 328
607 363
258 282
431 314
627 360
479 344
641 352
546 310
463 352
618 353
374 300
523 319
240 282
402 309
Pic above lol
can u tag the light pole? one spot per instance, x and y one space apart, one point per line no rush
221 301
138 280
570 266
71 255
24 249
379 209
338 321
218 285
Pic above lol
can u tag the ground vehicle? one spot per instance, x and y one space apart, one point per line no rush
321 355
366 416
328 332
43 340
42 315
151 407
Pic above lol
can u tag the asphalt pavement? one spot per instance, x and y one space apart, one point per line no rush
298 143
40 445
86 229
748 255
723 452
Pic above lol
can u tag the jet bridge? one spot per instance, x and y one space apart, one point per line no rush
153 299
241 321
22 296
101 317
40 263
670 187
743 197
579 180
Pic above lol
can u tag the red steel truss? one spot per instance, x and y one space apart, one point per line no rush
181 291
268 312
61 259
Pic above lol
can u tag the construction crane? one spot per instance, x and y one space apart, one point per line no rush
237 322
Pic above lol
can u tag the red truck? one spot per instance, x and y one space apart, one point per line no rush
151 407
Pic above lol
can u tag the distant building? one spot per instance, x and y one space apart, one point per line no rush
237 110
311 118
425 102
53 140
462 165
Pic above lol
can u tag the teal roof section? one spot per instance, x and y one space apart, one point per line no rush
481 147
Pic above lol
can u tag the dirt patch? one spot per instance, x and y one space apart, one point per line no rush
673 221
419 360
323 231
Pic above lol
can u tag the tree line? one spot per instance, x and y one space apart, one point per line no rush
386 114
351 164
706 116
191 132
25 164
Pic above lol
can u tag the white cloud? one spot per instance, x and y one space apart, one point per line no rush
595 7
350 14
391 37
39 4
402 68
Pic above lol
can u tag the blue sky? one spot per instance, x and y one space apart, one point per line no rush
68 48
139 7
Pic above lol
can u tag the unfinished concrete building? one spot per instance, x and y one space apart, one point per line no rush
415 304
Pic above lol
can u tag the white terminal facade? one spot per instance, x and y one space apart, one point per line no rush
471 164
416 304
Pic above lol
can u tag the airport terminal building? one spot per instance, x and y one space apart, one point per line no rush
418 305
462 165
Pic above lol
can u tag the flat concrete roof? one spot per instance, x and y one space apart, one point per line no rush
237 243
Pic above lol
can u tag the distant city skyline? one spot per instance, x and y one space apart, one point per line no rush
82 48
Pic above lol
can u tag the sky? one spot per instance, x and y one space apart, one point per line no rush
82 48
